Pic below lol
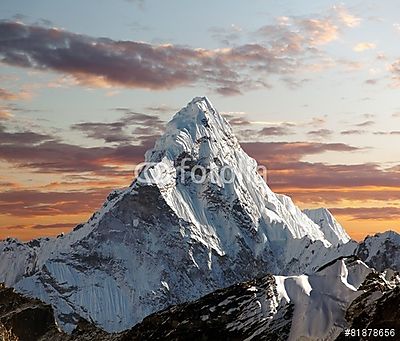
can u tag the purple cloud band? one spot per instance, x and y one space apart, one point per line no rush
281 51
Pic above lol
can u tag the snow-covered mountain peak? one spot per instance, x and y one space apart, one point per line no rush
331 228
197 131
199 217
198 153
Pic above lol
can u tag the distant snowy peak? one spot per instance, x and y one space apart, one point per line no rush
381 251
330 227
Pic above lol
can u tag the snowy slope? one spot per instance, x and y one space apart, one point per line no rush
167 238
321 299
330 227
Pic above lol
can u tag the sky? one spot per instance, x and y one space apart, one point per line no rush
311 89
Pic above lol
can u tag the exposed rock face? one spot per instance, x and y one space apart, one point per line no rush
381 251
376 308
249 310
24 319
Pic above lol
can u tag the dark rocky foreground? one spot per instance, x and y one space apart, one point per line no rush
376 309
27 319
227 314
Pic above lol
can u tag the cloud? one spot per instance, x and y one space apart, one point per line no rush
31 203
53 157
294 83
102 62
5 113
285 152
228 91
226 36
318 121
289 48
342 196
394 68
286 176
296 34
144 124
353 132
393 132
372 81
368 115
288 172
6 95
366 123
275 131
109 132
345 17
319 31
44 153
321 133
24 138
250 134
162 108
364 46
237 121
367 213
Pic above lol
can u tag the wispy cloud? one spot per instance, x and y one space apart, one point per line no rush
369 213
394 68
44 153
143 124
7 95
295 34
353 132
278 152
226 36
5 113
364 46
393 132
30 203
320 133
161 109
366 123
280 130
